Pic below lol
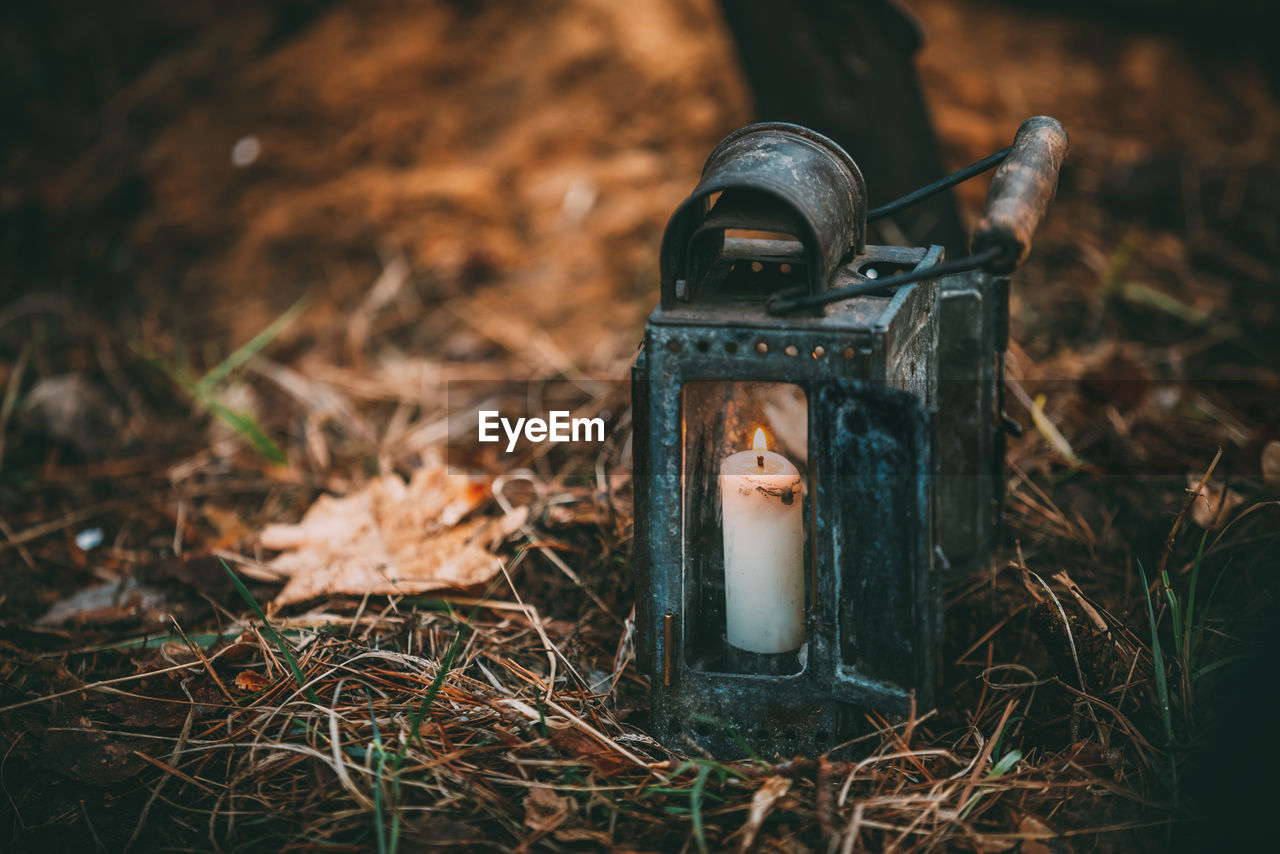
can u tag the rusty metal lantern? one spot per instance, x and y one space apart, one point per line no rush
789 541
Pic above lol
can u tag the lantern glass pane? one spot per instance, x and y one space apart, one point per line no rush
746 553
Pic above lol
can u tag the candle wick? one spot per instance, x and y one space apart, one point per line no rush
760 460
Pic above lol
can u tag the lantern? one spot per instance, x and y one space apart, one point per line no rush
787 538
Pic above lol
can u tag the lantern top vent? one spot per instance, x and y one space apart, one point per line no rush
774 178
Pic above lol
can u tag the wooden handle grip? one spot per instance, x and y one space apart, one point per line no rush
1020 193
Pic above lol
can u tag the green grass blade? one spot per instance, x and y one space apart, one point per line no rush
171 370
442 673
1149 297
378 806
1221 662
1157 661
280 642
733 733
1009 724
451 654
1175 613
1006 762
1188 633
695 807
680 769
1203 617
244 424
251 347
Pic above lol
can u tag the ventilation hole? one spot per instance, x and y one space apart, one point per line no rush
702 730
673 345
848 353
784 268
756 266
789 735
704 346
823 736
730 347
791 350
761 734
762 347
819 351
871 273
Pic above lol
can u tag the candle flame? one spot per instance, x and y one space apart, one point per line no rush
758 441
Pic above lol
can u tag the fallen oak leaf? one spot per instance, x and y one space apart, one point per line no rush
248 680
389 538
544 810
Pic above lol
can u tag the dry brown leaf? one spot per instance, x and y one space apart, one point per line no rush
120 601
1214 503
1271 462
761 804
583 834
1036 830
991 844
388 538
572 743
248 680
544 810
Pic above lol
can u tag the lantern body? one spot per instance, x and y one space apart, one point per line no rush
801 481
844 400
862 386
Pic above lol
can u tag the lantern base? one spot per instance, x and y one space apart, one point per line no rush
735 660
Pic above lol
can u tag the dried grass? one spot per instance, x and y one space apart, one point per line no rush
476 723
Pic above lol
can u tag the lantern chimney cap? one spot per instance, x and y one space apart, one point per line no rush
761 176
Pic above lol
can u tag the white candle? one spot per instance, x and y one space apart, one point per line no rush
761 505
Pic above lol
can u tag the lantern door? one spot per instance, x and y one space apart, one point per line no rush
874 529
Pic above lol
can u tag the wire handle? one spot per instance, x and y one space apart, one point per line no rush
793 299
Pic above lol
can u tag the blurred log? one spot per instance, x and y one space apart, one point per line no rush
844 68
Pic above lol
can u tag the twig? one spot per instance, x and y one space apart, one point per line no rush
160 784
94 686
1186 508
984 756
11 395
204 659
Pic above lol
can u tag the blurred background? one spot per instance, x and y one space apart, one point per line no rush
194 168
475 189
